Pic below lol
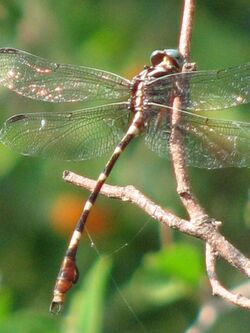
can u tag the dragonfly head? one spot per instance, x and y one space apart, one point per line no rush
167 57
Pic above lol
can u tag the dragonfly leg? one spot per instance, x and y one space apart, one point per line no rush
68 273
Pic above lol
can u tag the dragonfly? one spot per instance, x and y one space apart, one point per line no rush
123 109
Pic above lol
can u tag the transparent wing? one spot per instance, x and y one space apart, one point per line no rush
40 79
205 90
78 135
207 143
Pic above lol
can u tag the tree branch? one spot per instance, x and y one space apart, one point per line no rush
197 214
200 225
206 230
213 309
217 288
189 201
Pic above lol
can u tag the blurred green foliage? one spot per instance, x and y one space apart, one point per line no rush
156 286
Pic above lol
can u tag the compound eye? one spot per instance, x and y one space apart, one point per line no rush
157 57
175 57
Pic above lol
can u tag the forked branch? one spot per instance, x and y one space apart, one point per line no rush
206 230
200 225
216 245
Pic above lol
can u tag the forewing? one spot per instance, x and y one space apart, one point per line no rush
204 90
40 79
207 143
78 135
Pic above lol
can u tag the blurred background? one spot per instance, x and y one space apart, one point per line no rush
137 277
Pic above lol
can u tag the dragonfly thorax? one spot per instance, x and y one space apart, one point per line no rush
143 95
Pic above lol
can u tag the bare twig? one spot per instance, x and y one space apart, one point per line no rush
186 28
191 204
217 288
200 225
205 231
213 309
194 209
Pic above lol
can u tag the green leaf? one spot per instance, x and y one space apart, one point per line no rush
87 307
180 261
164 277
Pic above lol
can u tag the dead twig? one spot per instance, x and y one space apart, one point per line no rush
217 288
197 214
212 310
200 225
189 201
206 230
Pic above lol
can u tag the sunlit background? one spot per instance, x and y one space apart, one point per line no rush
150 280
